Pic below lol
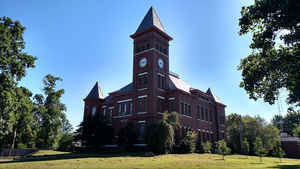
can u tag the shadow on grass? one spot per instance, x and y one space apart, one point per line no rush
71 156
287 166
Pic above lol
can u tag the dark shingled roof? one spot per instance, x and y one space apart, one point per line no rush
127 88
151 19
95 93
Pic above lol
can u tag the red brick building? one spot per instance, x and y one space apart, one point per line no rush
154 90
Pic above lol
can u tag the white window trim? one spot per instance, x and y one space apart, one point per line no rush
161 74
103 106
115 117
161 97
142 121
141 112
139 97
142 89
172 98
144 73
121 101
151 49
111 107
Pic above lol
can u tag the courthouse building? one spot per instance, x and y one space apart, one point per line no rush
155 89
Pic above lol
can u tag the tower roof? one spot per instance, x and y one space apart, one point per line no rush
211 93
95 93
151 20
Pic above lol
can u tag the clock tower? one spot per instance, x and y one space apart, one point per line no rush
151 59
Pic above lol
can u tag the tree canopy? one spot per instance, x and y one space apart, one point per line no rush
275 59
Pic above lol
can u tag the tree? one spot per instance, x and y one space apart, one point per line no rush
13 64
128 135
278 152
291 120
187 144
259 149
274 61
51 113
288 122
222 148
160 137
94 133
245 147
296 131
206 147
234 134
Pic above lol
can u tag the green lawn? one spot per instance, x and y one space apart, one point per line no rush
62 160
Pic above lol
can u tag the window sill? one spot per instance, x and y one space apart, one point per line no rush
122 116
186 116
141 112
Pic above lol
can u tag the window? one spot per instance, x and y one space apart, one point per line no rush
198 112
142 105
206 115
143 81
94 109
185 109
161 81
189 110
181 108
210 115
125 108
171 106
110 115
104 112
130 107
120 109
202 113
160 105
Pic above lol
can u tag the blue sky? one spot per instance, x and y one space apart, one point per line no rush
88 41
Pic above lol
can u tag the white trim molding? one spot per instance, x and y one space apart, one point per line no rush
161 97
144 73
171 98
141 112
151 49
139 97
161 74
142 89
121 101
112 107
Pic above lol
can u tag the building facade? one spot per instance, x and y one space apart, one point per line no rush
155 89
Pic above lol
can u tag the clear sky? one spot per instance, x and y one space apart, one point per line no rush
88 41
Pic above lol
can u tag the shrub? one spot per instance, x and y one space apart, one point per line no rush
206 147
245 147
128 136
65 143
160 137
187 144
222 148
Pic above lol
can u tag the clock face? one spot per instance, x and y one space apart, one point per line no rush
160 63
143 62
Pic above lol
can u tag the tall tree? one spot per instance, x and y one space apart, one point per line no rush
222 148
13 64
275 59
259 149
50 113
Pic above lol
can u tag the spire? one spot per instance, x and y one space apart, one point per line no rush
151 19
211 93
95 93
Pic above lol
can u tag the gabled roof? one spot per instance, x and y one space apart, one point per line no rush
151 19
177 83
211 93
95 93
127 88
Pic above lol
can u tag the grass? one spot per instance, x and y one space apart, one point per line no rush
48 159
